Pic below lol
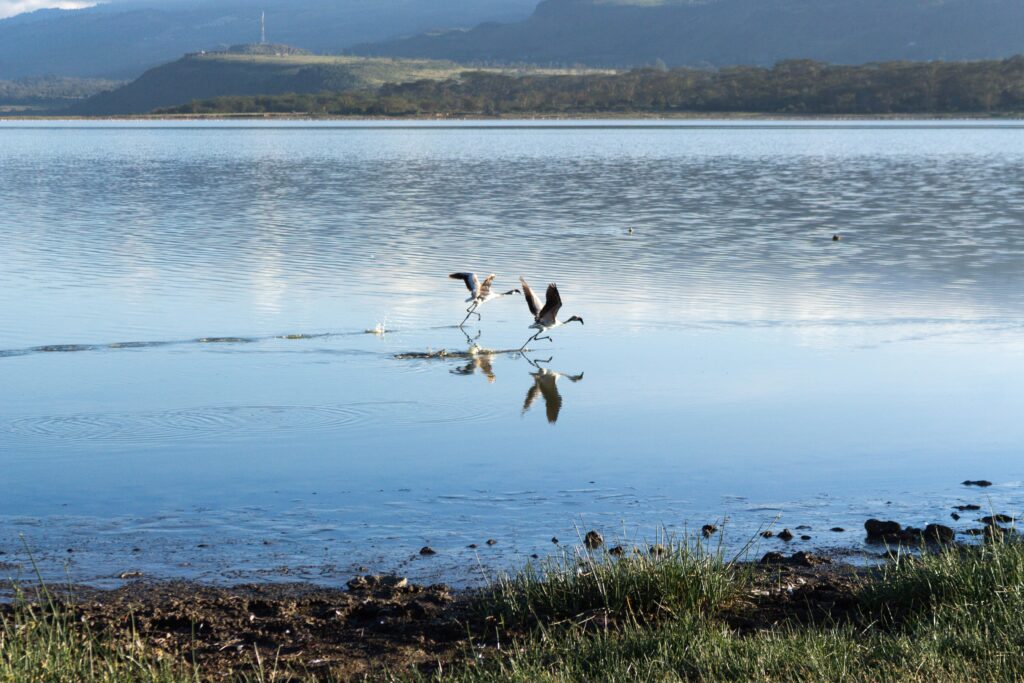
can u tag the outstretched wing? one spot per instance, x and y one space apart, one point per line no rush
485 288
470 279
552 304
531 298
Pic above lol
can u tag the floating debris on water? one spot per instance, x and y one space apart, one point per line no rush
224 340
302 336
137 344
442 354
64 348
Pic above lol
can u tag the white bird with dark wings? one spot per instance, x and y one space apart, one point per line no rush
546 318
479 293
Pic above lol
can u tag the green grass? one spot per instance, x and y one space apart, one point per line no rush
949 616
41 642
640 586
957 583
952 615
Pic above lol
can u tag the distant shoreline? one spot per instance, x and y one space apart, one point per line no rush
599 116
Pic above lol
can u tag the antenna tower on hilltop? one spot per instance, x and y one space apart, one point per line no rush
263 28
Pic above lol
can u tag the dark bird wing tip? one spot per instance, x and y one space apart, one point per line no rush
468 278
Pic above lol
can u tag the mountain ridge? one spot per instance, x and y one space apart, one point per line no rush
204 75
621 34
121 40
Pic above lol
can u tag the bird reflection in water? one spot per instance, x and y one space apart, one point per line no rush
479 359
545 383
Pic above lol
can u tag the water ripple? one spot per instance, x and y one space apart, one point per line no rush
244 420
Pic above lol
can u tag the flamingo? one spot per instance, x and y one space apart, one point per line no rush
545 319
479 293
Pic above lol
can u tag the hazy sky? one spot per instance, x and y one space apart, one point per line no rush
9 8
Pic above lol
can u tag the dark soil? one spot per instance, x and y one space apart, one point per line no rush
385 624
374 626
796 590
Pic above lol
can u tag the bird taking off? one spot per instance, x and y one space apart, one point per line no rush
479 293
545 318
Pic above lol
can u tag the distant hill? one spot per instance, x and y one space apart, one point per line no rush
624 33
123 38
201 76
792 87
41 93
266 49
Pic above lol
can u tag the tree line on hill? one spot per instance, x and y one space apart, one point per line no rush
790 87
51 90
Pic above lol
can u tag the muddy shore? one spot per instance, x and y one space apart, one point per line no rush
380 625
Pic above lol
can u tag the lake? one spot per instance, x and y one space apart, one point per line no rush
218 341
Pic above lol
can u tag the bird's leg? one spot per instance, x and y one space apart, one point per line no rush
469 312
536 362
523 347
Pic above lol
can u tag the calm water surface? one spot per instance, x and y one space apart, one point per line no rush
188 385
